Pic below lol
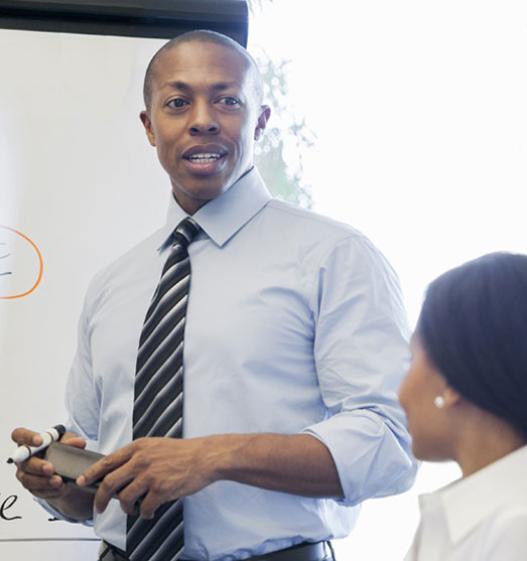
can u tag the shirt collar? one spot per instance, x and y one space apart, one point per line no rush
468 501
223 216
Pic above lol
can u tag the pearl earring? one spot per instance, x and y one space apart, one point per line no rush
439 401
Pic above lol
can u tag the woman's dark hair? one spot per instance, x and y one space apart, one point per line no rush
473 327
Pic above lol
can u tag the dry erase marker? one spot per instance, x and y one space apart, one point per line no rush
22 453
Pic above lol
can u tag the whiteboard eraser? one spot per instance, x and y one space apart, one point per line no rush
69 462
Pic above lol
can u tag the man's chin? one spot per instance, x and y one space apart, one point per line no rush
192 197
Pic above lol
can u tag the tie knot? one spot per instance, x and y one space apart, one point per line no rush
185 232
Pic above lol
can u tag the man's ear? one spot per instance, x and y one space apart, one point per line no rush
263 117
147 123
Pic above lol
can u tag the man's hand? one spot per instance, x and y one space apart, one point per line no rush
156 470
37 475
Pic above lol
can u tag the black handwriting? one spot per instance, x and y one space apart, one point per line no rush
5 505
4 256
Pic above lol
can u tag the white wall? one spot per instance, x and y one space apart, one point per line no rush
78 177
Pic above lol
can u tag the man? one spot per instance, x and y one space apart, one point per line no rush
294 346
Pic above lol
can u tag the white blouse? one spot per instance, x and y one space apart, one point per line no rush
482 517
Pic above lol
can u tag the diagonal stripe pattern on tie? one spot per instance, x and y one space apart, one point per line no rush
158 393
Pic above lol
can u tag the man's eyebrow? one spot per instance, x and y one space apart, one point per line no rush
219 86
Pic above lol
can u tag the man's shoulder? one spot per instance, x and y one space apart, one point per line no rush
320 236
309 222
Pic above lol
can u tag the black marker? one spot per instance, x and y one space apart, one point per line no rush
24 452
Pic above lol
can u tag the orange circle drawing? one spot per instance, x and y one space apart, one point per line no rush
40 265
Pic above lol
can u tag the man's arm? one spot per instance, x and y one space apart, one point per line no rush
163 469
298 464
361 355
40 479
361 450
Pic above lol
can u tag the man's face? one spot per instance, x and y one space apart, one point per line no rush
203 120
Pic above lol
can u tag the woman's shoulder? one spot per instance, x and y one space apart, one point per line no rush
502 536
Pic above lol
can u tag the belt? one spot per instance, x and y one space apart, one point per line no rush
301 552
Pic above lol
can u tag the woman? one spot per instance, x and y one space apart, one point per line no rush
465 396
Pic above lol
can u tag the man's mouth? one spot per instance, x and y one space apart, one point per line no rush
205 157
205 160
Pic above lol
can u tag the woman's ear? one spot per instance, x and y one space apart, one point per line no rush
447 397
451 396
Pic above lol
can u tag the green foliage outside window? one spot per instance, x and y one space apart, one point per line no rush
280 151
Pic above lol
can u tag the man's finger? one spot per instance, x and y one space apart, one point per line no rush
105 465
22 435
130 495
37 466
40 485
72 439
110 486
149 505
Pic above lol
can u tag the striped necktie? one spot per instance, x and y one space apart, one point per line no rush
158 400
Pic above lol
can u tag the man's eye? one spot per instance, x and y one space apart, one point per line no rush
177 103
231 101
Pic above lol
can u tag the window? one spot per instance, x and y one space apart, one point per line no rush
418 118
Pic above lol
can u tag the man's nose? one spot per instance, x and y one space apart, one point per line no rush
203 120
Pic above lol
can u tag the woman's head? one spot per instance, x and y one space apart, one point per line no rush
470 345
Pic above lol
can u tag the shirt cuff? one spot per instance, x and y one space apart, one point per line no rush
370 459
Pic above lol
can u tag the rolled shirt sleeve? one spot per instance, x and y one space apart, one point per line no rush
361 354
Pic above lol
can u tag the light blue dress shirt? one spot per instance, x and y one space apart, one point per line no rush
294 324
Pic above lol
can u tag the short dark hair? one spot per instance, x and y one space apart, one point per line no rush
473 327
203 36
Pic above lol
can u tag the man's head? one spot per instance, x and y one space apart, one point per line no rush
203 98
